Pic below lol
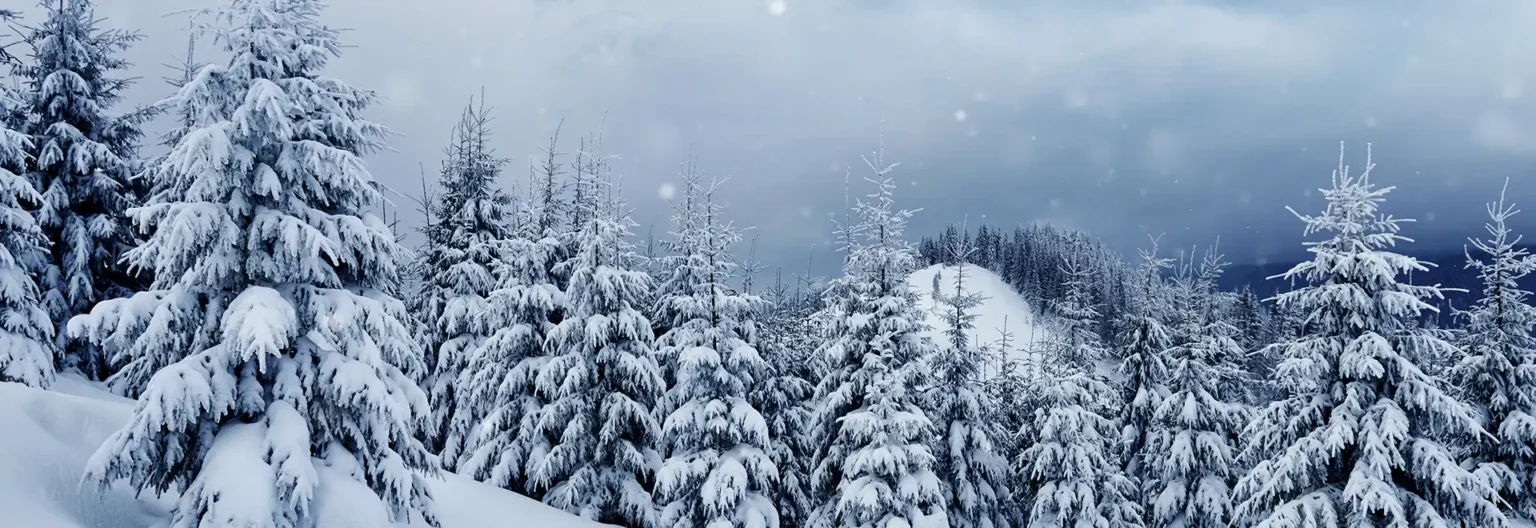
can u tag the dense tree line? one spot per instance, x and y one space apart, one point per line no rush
245 289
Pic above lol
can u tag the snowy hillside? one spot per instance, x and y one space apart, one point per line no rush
1002 306
51 434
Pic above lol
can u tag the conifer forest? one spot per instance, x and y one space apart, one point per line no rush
241 298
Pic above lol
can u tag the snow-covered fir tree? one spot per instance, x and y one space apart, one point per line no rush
675 293
1079 342
874 466
502 374
1143 366
292 367
26 333
788 341
476 215
718 471
1498 371
1071 470
1189 459
974 475
602 379
81 160
1364 436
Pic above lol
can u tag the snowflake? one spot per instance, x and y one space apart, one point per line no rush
777 7
34 118
960 115
667 191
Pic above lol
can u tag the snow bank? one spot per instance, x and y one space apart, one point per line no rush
1001 306
48 436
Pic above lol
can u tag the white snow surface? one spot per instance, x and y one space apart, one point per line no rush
49 436
1001 304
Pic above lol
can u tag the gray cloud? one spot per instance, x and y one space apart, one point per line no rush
1195 118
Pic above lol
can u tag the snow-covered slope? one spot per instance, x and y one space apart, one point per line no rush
1001 307
46 437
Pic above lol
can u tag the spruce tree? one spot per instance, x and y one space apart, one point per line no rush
26 333
1143 366
975 477
788 342
502 374
1362 438
1071 470
675 293
269 271
874 466
81 160
1498 370
718 471
602 380
1189 460
477 218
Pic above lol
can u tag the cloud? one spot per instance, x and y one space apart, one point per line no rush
1197 118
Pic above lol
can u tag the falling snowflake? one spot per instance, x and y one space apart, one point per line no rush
1076 99
805 211
1370 121
777 7
667 191
960 115
1512 90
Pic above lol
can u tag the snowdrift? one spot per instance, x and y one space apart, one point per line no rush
1001 307
48 436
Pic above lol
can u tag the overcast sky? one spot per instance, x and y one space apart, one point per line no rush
1193 118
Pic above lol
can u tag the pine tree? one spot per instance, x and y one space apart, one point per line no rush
1142 363
268 277
502 374
1072 477
1498 370
874 467
974 475
787 342
1361 438
1189 458
477 218
718 471
675 295
1251 319
81 160
26 333
603 379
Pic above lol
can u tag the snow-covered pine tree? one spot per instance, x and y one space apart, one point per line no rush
1071 470
1498 370
1189 459
81 160
1079 317
874 467
476 215
718 472
294 368
676 291
502 373
602 380
1143 367
787 341
1250 318
26 333
1362 437
975 477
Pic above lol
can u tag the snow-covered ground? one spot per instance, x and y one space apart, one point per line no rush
1001 308
49 436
